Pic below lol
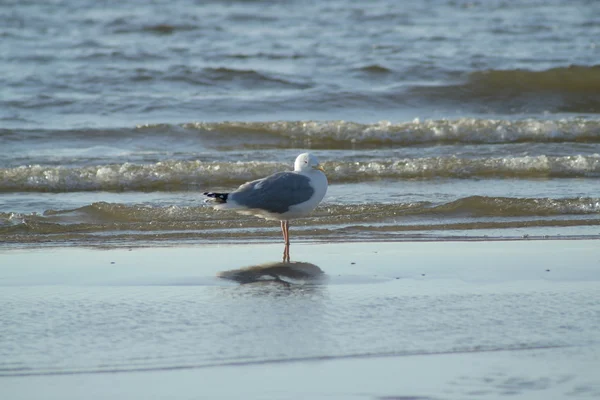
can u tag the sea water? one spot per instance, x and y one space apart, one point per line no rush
437 119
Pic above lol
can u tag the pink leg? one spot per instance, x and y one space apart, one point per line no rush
286 236
283 230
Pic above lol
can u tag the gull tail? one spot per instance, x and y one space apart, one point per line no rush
219 198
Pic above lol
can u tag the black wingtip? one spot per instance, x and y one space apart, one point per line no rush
219 197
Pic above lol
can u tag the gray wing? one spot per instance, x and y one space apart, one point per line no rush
275 193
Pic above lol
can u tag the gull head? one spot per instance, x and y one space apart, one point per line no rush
307 162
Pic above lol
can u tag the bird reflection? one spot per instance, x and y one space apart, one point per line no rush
286 252
284 273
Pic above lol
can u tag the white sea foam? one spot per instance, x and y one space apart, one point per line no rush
169 175
463 130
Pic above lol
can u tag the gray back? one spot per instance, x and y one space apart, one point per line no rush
275 193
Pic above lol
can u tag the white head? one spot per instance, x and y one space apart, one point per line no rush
306 162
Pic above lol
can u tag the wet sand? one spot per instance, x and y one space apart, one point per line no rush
411 320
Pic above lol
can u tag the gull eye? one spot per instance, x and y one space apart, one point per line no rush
305 161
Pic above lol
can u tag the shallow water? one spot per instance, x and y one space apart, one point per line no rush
435 119
73 311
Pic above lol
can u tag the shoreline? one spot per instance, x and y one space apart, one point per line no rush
120 244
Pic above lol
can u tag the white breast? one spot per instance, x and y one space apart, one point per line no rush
319 183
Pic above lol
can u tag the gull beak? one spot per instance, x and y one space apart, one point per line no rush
319 167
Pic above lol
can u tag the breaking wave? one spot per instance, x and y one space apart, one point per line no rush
192 175
331 134
336 134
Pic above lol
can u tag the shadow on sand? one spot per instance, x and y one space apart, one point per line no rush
284 273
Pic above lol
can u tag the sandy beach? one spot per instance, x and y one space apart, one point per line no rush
371 320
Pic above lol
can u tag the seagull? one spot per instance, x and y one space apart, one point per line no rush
281 196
